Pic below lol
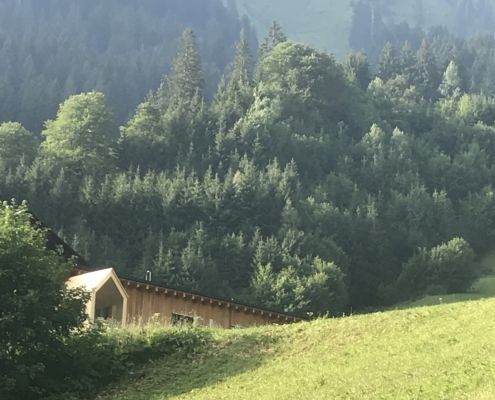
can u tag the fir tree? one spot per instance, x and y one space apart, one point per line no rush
243 65
275 37
427 74
186 80
357 69
389 63
408 63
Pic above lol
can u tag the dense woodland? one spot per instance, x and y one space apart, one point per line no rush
302 183
52 49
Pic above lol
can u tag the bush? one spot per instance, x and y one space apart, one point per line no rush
37 312
102 354
445 269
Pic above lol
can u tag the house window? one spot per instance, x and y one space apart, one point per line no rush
104 312
178 319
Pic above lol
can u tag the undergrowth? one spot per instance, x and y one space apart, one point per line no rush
105 353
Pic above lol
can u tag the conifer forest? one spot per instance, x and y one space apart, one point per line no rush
266 171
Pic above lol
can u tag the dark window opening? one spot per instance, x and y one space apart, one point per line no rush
104 312
179 319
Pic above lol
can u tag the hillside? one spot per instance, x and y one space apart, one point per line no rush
121 48
437 352
326 24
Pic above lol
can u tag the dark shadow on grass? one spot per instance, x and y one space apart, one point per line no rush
482 289
217 361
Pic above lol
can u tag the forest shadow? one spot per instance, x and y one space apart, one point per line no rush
482 289
222 358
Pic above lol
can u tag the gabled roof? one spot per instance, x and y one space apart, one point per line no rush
95 280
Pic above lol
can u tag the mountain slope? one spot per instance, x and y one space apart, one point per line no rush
439 352
326 24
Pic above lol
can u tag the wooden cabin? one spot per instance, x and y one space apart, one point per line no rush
108 297
145 301
130 300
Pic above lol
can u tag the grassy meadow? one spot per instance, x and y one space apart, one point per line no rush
444 351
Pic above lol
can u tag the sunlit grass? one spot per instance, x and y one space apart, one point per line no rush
438 352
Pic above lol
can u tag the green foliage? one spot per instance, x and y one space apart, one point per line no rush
357 69
275 37
427 74
296 188
321 291
16 145
447 268
82 138
101 355
450 87
121 49
389 63
38 312
186 81
309 83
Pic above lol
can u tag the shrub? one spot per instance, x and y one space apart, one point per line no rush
102 354
445 269
37 312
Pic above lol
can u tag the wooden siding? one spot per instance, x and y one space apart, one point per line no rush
147 302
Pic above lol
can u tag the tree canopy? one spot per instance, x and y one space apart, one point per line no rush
304 184
38 312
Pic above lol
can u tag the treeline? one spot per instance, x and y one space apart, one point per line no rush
469 31
52 49
305 184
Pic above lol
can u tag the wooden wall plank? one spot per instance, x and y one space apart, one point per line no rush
147 304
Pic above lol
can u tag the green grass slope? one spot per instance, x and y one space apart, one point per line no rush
438 352
326 24
484 288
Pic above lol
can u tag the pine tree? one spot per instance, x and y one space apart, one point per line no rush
275 37
235 97
243 65
357 69
389 63
186 80
408 63
428 76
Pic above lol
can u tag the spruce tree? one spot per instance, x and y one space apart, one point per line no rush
427 74
275 37
357 69
408 63
186 80
243 65
389 63
235 96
